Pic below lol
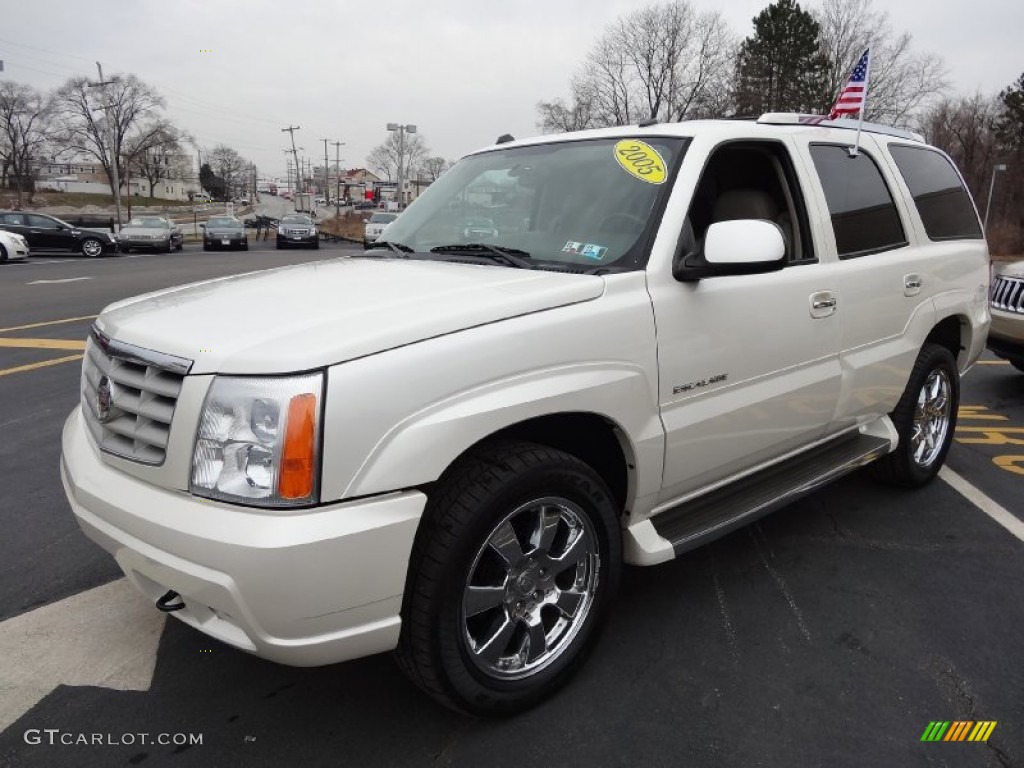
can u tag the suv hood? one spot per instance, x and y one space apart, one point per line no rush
312 315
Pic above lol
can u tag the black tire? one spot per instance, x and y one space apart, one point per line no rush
279 245
3 254
1018 364
206 247
245 246
468 508
903 467
315 246
91 247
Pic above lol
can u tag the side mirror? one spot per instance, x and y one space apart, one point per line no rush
202 226
740 247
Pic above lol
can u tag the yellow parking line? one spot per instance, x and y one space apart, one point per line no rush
44 364
48 322
42 343
993 362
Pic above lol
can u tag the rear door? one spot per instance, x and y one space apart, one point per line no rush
885 282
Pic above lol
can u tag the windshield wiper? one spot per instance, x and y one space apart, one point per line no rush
396 247
512 257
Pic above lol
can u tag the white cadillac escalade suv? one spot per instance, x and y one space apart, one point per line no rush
450 445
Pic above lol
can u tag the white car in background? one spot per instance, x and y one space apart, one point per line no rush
13 247
375 227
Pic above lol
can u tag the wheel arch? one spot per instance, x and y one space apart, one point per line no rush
954 333
594 439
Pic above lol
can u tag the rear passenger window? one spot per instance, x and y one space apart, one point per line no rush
864 217
941 199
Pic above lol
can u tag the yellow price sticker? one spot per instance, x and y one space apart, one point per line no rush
641 160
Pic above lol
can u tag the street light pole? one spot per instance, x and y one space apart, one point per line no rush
991 187
402 130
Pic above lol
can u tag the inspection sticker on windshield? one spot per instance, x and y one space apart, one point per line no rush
640 160
588 250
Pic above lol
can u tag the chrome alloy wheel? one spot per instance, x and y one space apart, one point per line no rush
92 248
931 418
530 588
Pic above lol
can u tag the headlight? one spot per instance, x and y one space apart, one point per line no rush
258 441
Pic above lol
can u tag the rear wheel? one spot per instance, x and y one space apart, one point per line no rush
516 562
925 419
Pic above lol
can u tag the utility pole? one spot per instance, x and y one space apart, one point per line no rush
337 176
291 129
111 139
325 192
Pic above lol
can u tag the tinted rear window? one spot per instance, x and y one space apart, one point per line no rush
941 199
864 217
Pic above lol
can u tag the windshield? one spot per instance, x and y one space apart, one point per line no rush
149 222
383 218
580 202
223 221
291 219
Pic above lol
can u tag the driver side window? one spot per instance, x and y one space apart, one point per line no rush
751 180
41 222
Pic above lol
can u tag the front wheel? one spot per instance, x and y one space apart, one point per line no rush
516 562
925 419
92 247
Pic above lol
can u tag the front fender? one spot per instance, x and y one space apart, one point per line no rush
418 449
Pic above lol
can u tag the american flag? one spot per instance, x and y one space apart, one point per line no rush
851 100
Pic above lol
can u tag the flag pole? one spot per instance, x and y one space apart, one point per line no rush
864 103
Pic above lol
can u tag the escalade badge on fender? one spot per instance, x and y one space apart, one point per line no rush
104 399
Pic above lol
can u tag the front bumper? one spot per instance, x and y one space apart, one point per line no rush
225 241
1006 335
154 244
297 239
302 588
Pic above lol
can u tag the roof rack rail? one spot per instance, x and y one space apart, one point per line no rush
793 118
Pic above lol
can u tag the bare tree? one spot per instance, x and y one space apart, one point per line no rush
664 62
965 128
229 166
24 132
154 152
409 151
85 113
902 81
432 167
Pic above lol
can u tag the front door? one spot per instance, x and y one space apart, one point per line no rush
748 364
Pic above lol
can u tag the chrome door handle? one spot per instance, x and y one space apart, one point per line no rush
823 304
912 284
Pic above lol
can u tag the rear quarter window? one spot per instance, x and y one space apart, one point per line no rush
940 196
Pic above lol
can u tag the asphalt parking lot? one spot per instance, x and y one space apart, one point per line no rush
828 634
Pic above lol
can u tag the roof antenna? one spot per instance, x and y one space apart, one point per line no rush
505 138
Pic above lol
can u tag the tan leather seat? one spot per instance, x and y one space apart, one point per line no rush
753 204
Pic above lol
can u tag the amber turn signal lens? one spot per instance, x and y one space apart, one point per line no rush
299 452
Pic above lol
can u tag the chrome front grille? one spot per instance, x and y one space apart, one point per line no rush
128 397
1008 294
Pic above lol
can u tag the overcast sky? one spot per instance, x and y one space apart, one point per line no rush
463 71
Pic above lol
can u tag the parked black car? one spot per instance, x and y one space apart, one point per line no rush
48 233
156 232
224 232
